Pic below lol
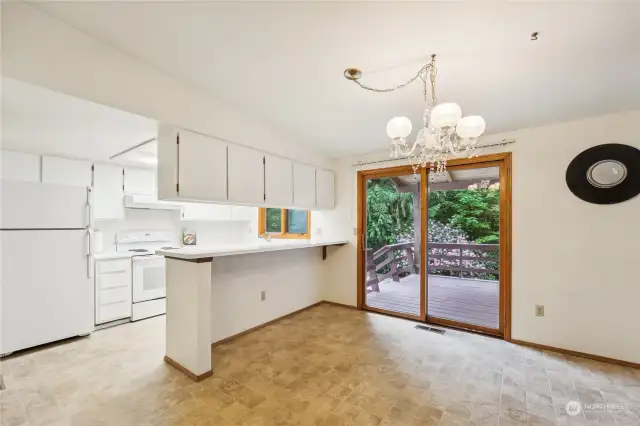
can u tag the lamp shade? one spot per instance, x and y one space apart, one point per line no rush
445 115
471 126
398 127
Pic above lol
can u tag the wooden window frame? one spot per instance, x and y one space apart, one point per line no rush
262 225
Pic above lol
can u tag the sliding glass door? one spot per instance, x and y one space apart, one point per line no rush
463 247
435 247
393 240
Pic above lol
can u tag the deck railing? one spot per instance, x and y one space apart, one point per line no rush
463 258
393 260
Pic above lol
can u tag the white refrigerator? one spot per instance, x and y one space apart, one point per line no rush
46 270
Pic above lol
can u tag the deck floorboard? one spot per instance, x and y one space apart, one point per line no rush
463 300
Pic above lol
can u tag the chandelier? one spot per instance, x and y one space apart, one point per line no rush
445 133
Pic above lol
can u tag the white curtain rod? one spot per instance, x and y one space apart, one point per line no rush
503 142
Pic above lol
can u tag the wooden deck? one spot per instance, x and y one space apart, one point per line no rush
463 300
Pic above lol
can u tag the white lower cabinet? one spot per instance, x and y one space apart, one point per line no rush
113 290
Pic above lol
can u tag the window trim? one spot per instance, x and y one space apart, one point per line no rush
262 225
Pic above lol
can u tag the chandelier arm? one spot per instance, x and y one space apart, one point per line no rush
410 151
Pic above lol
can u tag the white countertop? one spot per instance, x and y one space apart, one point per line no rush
199 252
112 255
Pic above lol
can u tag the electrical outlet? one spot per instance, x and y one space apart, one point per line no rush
355 231
263 296
318 231
539 310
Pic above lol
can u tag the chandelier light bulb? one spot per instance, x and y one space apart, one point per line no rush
399 127
446 115
470 126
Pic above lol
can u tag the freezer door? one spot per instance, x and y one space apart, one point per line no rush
47 293
28 205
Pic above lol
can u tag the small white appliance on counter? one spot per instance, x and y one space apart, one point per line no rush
147 269
47 289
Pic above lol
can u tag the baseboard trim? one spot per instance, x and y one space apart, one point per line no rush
342 305
193 376
576 353
257 327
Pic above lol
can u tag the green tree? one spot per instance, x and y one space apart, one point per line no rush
474 211
389 213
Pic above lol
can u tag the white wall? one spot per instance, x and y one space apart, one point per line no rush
578 259
153 220
292 279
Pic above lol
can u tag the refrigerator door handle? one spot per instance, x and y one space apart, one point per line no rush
89 255
89 266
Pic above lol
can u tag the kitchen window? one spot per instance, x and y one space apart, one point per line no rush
284 223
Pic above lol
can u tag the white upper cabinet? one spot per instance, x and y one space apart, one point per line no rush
64 171
139 181
108 192
304 186
278 181
325 184
196 167
20 166
191 166
205 212
246 175
202 167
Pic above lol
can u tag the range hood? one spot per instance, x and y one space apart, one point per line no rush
148 202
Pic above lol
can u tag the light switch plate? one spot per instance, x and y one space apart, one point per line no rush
539 310
318 231
355 231
263 296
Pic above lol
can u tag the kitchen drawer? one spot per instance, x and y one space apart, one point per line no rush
114 295
114 279
113 311
115 265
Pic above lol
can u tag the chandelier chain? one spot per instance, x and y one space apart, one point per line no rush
428 69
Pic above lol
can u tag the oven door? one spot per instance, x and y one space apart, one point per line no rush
148 278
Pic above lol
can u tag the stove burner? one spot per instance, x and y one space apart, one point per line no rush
139 250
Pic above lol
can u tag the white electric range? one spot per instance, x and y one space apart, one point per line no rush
147 269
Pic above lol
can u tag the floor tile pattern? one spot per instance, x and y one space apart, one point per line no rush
325 366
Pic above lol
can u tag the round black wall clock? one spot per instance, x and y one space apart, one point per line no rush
605 174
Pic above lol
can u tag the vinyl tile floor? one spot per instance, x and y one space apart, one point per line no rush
324 366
